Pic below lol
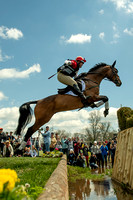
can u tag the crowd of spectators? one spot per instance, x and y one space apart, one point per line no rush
94 155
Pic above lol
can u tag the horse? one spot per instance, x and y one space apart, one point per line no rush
47 107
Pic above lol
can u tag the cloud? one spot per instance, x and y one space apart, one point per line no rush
129 32
11 33
78 39
70 121
116 34
13 73
2 96
9 118
126 5
101 35
74 121
4 57
101 12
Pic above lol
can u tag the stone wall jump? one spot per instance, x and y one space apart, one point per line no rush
57 186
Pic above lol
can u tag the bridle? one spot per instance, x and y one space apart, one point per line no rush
114 74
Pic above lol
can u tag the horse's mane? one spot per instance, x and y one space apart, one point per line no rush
97 66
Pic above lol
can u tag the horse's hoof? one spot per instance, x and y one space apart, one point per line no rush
106 112
92 105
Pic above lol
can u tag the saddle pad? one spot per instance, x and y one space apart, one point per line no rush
83 88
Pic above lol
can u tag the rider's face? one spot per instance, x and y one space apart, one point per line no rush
80 64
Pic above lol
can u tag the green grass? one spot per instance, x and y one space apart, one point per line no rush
75 173
35 171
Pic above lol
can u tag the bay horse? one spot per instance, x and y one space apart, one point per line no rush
47 107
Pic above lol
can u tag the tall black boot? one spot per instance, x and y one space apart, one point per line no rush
78 92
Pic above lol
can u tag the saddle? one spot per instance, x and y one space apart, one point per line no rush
78 79
70 88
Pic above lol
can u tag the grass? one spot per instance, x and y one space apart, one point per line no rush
75 173
35 171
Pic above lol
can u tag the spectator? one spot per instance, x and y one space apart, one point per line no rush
37 145
2 139
109 152
85 153
8 149
64 145
53 142
104 150
71 158
74 141
11 138
94 148
28 144
93 160
18 140
80 160
90 146
7 136
47 139
33 141
58 144
56 135
69 142
99 155
34 151
112 149
28 152
77 148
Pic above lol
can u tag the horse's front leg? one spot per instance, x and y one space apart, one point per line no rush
100 100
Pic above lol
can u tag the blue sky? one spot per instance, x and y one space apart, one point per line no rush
36 37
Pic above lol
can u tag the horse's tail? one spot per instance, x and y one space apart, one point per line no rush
25 117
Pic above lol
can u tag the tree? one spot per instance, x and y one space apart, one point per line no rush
97 129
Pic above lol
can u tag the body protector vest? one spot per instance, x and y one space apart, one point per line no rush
68 69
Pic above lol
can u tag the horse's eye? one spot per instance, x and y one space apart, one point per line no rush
116 70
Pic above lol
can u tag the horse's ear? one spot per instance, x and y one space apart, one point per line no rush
113 64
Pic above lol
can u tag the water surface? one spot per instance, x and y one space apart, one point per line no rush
107 189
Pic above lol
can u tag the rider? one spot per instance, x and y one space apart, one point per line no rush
68 70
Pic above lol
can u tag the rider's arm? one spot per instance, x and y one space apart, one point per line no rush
76 74
68 62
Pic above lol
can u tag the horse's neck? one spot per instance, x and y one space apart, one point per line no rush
98 75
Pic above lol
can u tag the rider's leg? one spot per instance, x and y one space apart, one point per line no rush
67 80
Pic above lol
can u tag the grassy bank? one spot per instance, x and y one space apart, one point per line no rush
75 173
35 171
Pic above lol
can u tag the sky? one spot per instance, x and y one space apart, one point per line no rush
36 37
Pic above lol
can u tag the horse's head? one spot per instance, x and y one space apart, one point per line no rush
113 75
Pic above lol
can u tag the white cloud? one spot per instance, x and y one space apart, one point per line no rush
79 39
126 5
101 35
116 34
4 57
9 118
74 121
101 12
13 73
2 96
129 32
70 121
11 33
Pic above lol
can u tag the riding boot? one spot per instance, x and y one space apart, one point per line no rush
78 92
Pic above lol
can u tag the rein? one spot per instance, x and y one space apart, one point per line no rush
87 79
